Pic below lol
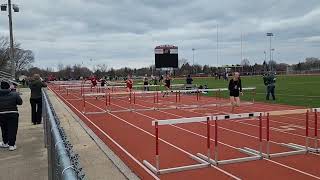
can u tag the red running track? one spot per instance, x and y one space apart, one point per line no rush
130 135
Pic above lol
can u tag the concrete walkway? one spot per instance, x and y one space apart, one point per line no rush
29 161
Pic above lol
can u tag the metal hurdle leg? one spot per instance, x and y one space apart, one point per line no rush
252 155
157 147
84 105
268 135
157 170
253 95
316 131
260 134
208 139
106 101
316 148
216 140
307 131
297 149
134 98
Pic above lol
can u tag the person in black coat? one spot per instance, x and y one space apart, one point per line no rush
235 89
36 98
189 81
9 116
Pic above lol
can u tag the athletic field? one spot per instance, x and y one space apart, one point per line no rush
297 90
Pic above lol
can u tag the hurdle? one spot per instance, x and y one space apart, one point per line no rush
296 149
132 99
201 163
95 95
314 149
252 156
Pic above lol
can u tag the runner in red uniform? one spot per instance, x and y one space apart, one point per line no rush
129 83
93 81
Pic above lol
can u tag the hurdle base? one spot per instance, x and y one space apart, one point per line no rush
297 146
202 164
296 151
90 113
253 157
175 169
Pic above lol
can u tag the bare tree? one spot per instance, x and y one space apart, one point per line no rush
60 67
102 67
23 59
182 62
245 62
4 53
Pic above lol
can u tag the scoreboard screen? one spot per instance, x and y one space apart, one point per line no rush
166 56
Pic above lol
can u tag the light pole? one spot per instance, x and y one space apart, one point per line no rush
272 60
272 50
217 46
270 35
241 50
15 8
265 55
193 49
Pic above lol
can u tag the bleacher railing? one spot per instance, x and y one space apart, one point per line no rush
63 162
6 75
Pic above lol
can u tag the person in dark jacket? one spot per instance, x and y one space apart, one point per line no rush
36 98
270 81
189 82
235 89
145 83
9 116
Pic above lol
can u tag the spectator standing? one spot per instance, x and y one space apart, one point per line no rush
9 116
270 81
36 98
145 83
189 81
154 80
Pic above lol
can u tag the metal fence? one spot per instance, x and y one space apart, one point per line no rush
6 75
63 162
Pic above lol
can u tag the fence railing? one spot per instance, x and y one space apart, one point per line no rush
63 162
6 75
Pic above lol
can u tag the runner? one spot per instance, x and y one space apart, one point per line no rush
129 83
145 83
103 82
93 81
235 88
167 85
189 82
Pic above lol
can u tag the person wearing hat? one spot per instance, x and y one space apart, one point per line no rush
36 98
9 116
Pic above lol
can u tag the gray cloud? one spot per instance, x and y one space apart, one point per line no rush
124 32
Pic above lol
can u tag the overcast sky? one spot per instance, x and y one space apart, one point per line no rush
124 32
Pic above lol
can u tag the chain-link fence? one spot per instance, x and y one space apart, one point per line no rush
63 162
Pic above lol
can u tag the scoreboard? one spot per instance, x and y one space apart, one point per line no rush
166 56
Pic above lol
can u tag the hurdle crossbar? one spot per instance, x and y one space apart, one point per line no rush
201 163
155 94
